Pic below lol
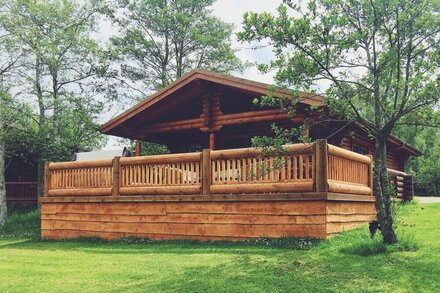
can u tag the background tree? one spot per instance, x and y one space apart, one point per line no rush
161 40
8 60
380 58
427 167
62 71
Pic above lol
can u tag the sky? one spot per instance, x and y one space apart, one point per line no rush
230 11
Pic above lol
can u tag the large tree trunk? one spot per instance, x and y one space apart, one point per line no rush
41 126
3 207
383 192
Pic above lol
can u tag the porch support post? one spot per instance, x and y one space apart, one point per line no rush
306 130
212 140
137 148
321 161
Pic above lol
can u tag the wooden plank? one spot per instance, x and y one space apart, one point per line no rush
349 155
306 207
80 164
343 187
190 229
162 159
336 218
350 208
81 191
262 187
200 218
341 227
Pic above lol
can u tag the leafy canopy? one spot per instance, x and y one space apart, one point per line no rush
161 40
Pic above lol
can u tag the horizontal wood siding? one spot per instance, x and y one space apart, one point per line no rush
195 220
394 161
343 216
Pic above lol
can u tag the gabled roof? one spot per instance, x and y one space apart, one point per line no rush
250 86
218 78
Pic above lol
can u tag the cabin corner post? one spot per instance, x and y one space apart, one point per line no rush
321 159
371 174
116 168
206 172
46 178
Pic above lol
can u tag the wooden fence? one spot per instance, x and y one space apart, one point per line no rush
299 168
21 192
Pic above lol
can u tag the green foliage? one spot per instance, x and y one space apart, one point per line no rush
150 148
61 70
426 168
162 40
22 225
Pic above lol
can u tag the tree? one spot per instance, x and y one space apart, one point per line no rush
380 58
426 168
8 59
161 40
63 71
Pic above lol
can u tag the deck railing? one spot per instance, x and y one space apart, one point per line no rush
312 167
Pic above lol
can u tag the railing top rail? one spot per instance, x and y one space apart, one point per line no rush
343 153
80 164
301 148
162 159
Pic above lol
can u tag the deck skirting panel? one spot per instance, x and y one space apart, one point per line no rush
227 218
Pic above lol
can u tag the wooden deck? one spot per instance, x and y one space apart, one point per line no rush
306 190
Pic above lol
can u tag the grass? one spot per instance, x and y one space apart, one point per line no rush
351 262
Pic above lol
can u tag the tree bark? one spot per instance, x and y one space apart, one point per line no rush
383 192
3 207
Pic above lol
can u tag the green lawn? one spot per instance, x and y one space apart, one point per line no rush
336 265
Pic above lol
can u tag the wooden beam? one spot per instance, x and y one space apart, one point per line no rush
219 120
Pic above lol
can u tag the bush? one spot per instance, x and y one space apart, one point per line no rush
22 225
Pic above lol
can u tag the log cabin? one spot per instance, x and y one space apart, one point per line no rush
213 184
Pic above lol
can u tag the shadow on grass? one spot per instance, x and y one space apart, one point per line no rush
148 246
375 246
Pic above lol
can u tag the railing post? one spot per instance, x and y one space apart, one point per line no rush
206 172
116 167
321 159
46 179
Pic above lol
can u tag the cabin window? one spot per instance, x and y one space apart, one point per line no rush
360 149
